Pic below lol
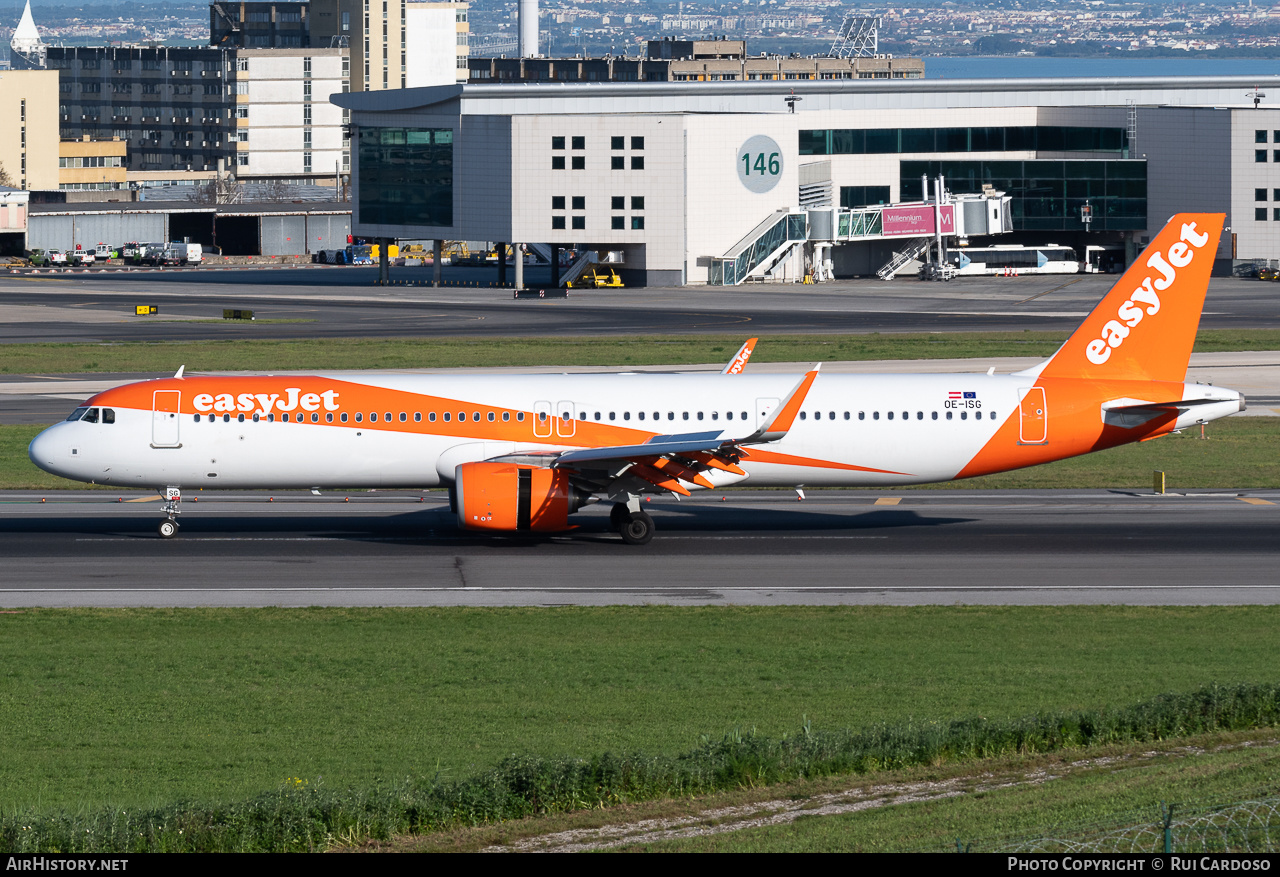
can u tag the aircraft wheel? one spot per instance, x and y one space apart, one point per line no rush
168 529
638 529
618 516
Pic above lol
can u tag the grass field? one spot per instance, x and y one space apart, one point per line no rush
146 707
378 353
1240 453
1125 787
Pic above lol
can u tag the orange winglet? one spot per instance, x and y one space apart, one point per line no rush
780 423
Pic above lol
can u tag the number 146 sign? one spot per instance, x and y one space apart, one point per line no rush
760 163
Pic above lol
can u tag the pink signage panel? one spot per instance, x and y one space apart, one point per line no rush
916 220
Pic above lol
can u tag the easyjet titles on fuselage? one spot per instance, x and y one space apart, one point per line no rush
266 403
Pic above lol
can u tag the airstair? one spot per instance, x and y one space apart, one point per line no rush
912 251
580 265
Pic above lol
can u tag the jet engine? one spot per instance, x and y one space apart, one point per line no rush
509 496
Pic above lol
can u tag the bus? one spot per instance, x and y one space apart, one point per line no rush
1009 258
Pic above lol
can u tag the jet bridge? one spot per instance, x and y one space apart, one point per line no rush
772 247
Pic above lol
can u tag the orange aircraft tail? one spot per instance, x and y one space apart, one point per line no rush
1146 325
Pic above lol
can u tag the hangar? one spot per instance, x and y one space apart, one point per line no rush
271 229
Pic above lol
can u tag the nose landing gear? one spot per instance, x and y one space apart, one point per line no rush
169 527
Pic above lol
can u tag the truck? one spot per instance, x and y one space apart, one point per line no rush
183 253
81 257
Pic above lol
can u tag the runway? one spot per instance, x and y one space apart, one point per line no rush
761 548
336 302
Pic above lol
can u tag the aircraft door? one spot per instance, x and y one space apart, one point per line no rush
1033 417
542 419
166 406
565 423
764 407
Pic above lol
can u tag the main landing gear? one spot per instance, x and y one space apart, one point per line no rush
635 527
169 527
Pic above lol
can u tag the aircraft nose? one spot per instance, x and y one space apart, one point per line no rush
46 449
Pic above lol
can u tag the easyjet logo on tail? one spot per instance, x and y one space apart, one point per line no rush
1145 300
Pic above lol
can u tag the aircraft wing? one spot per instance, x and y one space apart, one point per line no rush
666 460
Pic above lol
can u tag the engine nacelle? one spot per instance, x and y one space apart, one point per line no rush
508 496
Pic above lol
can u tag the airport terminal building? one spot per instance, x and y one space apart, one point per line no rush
678 179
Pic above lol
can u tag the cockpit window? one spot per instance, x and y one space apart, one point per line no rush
90 416
108 415
76 415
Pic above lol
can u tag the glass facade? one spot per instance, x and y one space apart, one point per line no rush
406 176
861 196
882 141
1047 195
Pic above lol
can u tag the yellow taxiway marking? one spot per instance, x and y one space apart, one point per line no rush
1253 500
888 500
145 499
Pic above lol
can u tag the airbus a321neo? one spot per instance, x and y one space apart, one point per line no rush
524 453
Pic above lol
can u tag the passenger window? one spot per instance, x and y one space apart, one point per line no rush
699 415
831 415
803 416
108 415
403 417
728 415
671 415
686 415
891 415
582 415
626 415
462 416
964 415
613 415
657 415
491 417
360 417
991 415
91 416
906 415
715 415
373 417
566 416
226 418
949 415
315 418
597 415
519 417
744 415
430 416
240 418
862 415
271 418
641 415
446 417
258 417
387 416
506 416
846 415
919 415
198 416
875 415
343 417
542 416
935 415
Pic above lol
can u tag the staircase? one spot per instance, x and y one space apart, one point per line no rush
914 249
762 249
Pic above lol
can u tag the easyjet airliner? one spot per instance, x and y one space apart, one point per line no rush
524 453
